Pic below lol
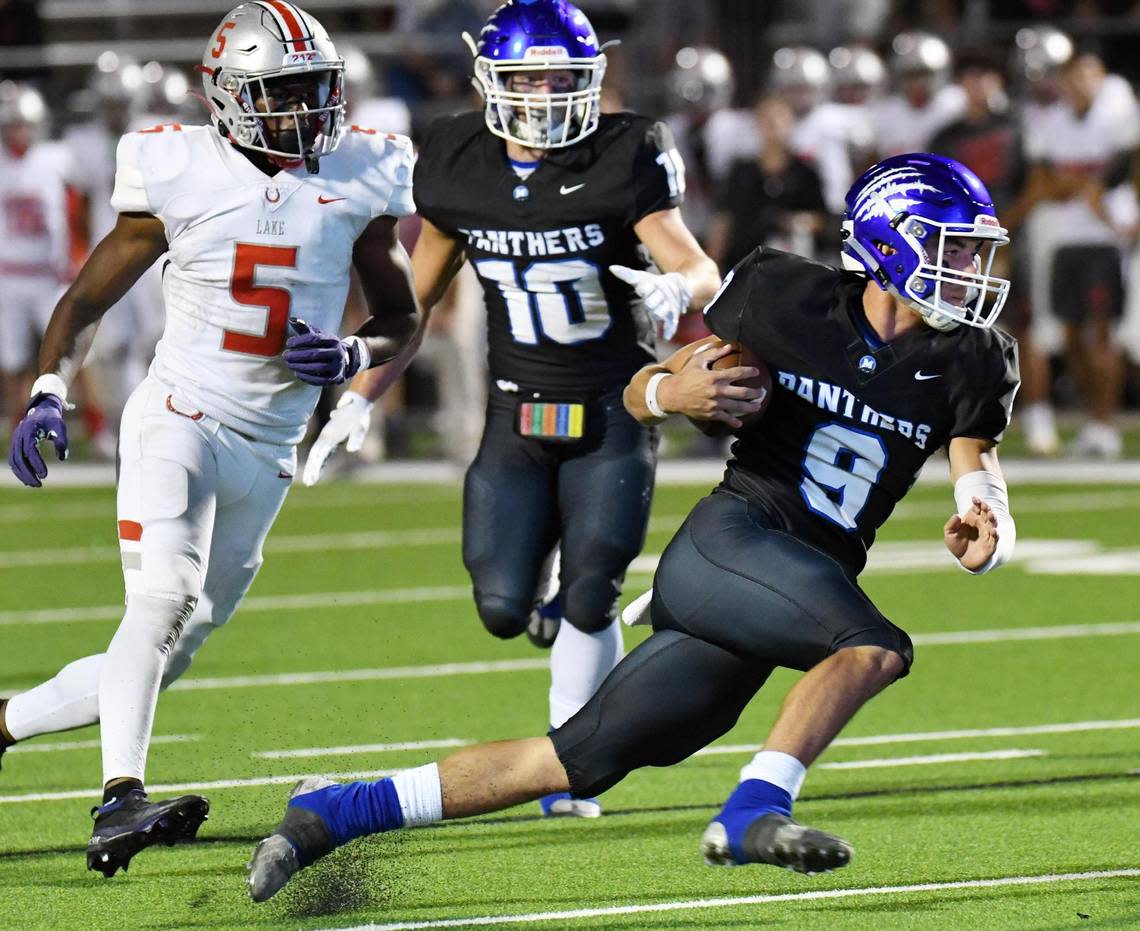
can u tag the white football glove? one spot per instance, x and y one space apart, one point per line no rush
348 424
666 296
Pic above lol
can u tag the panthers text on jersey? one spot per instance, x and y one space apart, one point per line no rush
558 321
850 423
249 251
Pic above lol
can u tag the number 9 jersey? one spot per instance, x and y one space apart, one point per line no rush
248 251
852 419
542 243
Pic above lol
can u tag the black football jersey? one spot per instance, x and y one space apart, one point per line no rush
558 320
849 425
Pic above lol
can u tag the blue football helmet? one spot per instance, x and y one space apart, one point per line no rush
904 225
539 35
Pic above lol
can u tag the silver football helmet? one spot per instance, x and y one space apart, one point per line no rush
1041 51
274 82
854 66
700 79
21 105
919 53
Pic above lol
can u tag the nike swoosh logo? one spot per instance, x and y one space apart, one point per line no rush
918 376
570 190
329 200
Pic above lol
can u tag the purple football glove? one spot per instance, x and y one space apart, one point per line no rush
43 421
320 358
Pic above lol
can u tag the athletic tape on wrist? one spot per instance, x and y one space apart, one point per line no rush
651 395
992 490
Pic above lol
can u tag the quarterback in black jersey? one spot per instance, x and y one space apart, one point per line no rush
559 209
874 371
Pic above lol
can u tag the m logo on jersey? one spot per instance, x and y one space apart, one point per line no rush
887 196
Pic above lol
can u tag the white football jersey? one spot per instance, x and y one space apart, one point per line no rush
827 136
1087 143
247 252
901 128
35 236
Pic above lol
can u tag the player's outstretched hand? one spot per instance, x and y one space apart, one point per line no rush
319 358
972 537
666 296
43 421
701 392
347 424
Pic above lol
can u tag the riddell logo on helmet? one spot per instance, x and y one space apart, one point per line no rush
546 51
300 58
984 219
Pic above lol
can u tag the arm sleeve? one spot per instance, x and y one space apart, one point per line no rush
985 414
402 160
658 174
130 194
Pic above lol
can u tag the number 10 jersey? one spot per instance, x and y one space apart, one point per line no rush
558 321
249 251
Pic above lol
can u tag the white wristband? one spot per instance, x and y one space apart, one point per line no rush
52 383
651 395
991 489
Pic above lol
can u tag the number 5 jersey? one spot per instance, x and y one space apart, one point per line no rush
249 251
542 244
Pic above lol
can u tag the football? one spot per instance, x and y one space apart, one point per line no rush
741 356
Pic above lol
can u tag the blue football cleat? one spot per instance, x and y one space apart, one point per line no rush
300 839
127 825
563 805
773 838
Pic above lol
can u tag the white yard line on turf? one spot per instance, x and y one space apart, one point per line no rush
875 740
90 744
669 472
69 794
310 600
933 759
440 670
1072 727
435 536
700 904
360 748
279 543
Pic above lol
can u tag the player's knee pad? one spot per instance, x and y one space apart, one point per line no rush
155 622
589 601
503 616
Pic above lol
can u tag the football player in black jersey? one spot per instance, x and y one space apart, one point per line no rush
555 205
874 370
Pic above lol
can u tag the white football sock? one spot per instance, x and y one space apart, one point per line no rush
579 663
421 795
67 701
780 769
132 671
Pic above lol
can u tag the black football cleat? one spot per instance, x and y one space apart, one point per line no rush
545 621
127 825
776 839
299 840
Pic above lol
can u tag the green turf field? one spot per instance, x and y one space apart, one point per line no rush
968 774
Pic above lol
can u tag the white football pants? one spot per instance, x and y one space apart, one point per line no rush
195 503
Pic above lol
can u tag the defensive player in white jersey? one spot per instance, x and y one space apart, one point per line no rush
34 233
1084 213
262 215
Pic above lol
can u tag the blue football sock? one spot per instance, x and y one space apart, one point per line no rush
752 798
355 809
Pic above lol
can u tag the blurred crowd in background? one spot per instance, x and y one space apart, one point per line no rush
776 107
